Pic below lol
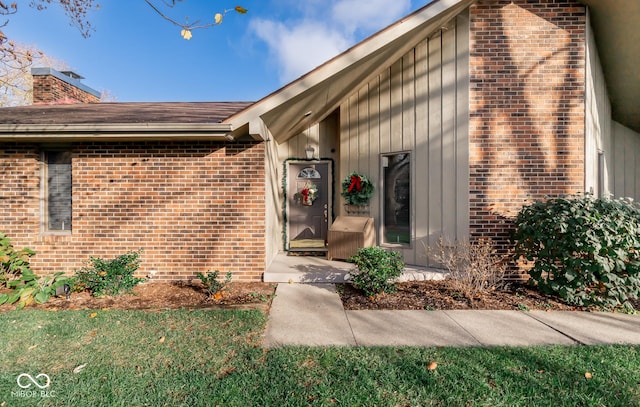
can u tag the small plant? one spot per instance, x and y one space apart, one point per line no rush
13 263
377 270
30 288
473 267
261 297
212 283
16 274
584 250
110 277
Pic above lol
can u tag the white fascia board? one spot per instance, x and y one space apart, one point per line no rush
258 130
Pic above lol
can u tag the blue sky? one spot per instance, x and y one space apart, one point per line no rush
136 55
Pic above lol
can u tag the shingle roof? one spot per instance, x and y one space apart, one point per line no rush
122 113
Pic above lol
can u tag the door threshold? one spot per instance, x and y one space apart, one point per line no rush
307 252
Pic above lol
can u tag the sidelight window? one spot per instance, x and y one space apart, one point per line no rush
396 184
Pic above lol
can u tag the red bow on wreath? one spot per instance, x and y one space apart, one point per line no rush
356 182
305 193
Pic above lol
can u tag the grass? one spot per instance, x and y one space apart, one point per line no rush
391 236
213 357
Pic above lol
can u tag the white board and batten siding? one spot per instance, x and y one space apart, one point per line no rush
598 138
417 105
626 162
612 151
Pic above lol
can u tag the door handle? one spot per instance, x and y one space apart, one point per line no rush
326 213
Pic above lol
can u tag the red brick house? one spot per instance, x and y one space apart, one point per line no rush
458 114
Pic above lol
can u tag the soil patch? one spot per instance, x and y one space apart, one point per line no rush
174 295
441 295
417 295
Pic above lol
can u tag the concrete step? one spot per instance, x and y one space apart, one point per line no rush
314 269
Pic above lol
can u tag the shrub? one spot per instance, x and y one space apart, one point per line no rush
377 270
16 274
30 288
212 283
584 250
13 263
473 267
110 277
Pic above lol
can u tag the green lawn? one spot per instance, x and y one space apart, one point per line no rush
400 237
213 357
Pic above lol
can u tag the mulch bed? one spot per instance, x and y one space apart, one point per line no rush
441 295
419 295
174 295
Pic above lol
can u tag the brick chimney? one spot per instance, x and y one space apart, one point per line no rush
54 87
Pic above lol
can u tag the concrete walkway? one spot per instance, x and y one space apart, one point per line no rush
309 269
312 315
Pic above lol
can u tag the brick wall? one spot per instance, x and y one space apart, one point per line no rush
49 89
191 207
527 73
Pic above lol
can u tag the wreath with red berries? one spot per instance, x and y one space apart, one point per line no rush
357 189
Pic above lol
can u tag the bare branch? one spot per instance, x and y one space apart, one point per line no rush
164 15
76 10
187 26
7 10
16 81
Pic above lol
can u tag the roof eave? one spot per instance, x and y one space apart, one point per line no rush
113 131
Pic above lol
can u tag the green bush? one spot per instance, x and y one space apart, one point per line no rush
12 262
30 288
585 250
212 283
16 274
377 270
110 277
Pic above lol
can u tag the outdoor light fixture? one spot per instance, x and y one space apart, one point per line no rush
229 137
309 152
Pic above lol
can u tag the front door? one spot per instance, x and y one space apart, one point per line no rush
308 204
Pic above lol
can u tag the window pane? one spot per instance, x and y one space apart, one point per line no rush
59 190
397 198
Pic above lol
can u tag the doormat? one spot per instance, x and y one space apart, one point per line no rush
308 253
307 244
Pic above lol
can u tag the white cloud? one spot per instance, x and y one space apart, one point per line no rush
299 48
322 30
377 14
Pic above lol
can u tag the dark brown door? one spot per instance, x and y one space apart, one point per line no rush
308 204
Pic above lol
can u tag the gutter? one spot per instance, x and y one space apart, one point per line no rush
114 131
